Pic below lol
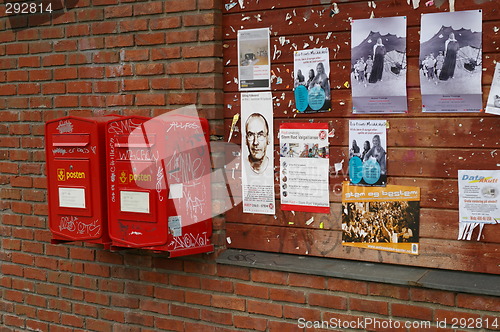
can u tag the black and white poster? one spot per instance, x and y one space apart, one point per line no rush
257 152
378 65
450 61
493 103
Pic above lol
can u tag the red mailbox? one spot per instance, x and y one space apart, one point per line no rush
159 176
76 176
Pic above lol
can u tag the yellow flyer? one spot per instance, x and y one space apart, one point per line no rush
381 218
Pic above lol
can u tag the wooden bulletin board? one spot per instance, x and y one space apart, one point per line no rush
424 149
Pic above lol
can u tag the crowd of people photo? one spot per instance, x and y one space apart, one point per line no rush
380 222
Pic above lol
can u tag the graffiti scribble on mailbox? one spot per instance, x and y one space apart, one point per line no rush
68 222
65 126
184 125
190 241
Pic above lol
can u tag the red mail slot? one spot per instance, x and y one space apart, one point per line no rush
76 179
159 184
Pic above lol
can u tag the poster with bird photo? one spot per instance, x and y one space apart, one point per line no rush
378 65
450 65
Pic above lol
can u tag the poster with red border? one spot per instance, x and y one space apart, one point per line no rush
304 167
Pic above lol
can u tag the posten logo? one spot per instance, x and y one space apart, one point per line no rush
130 177
62 175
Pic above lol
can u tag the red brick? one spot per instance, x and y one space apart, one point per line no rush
91 72
66 45
149 69
167 53
101 28
48 289
85 310
349 286
119 71
217 317
180 6
8 90
90 43
124 302
170 83
210 50
150 99
8 64
182 98
107 57
184 311
136 55
13 321
77 30
198 298
119 41
49 316
250 322
97 298
17 75
149 8
90 15
112 286
217 285
79 58
66 101
119 100
139 289
72 320
16 49
155 38
228 302
106 87
79 87
328 301
52 33
397 292
40 102
33 325
98 324
118 11
154 306
469 301
111 314
165 23
92 101
210 34
378 307
201 19
134 25
136 84
65 73
53 88
272 277
174 37
264 308
169 324
432 296
29 61
205 82
68 17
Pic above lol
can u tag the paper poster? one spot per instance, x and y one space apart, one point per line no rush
367 152
381 218
493 103
304 167
479 200
450 61
257 152
378 65
254 62
312 80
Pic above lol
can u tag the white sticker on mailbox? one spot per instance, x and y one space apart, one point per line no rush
175 191
134 201
72 197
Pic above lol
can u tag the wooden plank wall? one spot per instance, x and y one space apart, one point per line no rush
424 150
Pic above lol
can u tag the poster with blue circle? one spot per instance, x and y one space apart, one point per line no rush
312 80
367 152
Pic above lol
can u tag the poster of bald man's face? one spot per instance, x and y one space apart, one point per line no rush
257 152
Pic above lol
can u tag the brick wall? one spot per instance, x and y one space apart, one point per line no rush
145 58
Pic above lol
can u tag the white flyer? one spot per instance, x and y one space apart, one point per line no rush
257 152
